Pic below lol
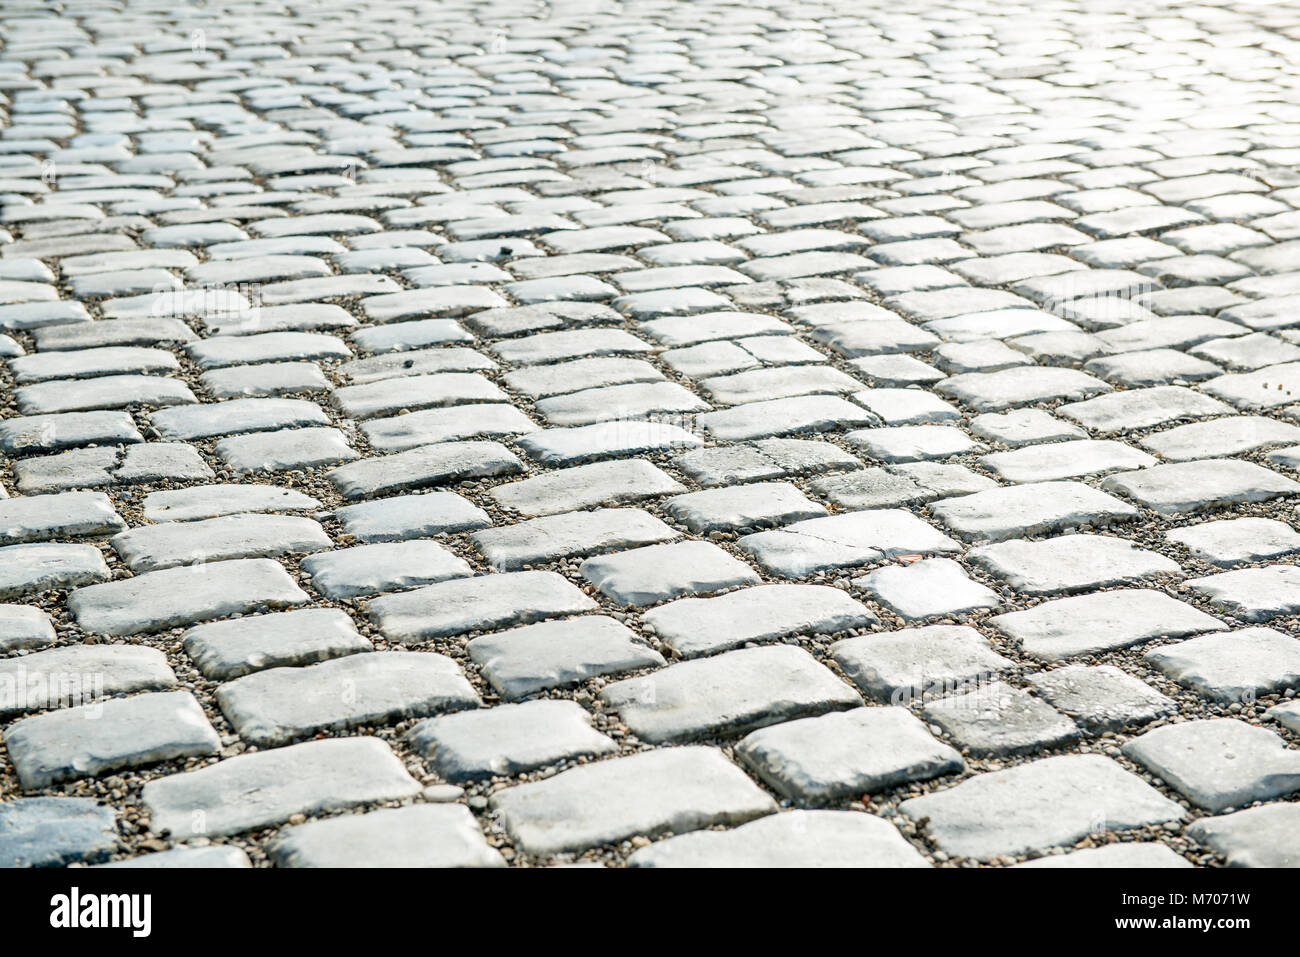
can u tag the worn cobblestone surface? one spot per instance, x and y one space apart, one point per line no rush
854 434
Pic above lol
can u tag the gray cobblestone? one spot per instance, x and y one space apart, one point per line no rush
672 790
785 328
728 694
229 649
508 739
279 705
1044 804
1086 624
846 753
1219 764
424 835
794 839
1101 698
53 831
555 654
1258 837
47 748
267 787
484 601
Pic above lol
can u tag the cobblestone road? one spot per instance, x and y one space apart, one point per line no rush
662 433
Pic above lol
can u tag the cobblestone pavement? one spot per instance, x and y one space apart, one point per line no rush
654 433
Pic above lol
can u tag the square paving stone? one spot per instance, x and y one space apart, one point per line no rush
507 740
212 855
1033 509
1248 353
1127 855
1233 666
644 576
1005 324
764 459
483 602
927 589
573 534
778 383
554 654
213 501
995 391
24 627
153 547
31 434
237 415
55 831
415 362
1220 437
1069 563
601 483
981 355
1023 427
32 568
605 440
1060 348
1288 458
285 450
105 392
633 401
444 463
671 791
996 720
262 788
164 599
1142 408
1185 487
1264 388
228 649
1101 698
413 429
1101 621
843 541
1253 594
1267 836
1152 367
898 667
773 417
1042 804
696 626
411 516
1287 715
422 835
1220 763
580 374
579 343
910 443
857 339
907 482
1234 540
366 570
728 694
742 507
897 370
792 839
278 705
107 736
1065 460
846 754
59 515
80 674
